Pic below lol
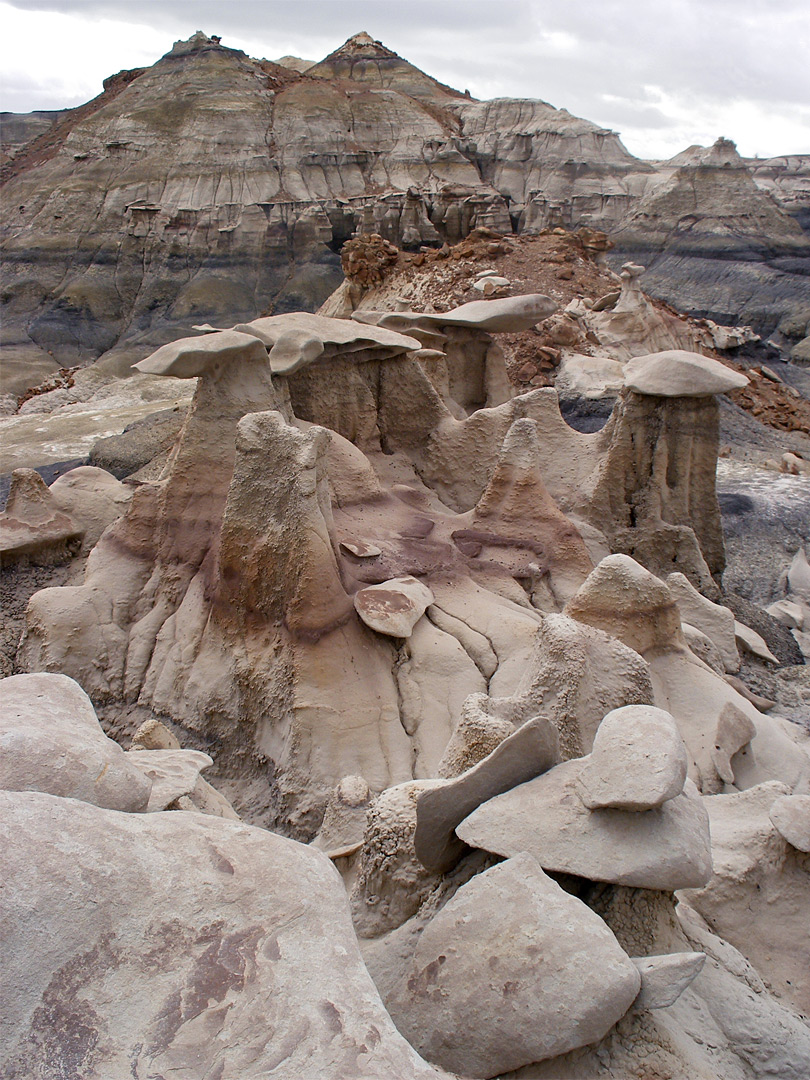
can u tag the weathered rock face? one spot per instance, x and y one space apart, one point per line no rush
709 214
362 142
150 964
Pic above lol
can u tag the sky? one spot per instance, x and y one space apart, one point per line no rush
665 74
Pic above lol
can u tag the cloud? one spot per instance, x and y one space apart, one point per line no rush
664 75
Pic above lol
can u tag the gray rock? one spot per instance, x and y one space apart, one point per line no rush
667 848
191 356
512 970
638 761
531 750
51 741
676 373
664 978
180 944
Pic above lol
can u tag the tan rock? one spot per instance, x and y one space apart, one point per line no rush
529 751
791 816
51 741
190 357
667 848
510 971
168 884
174 773
664 978
638 761
393 607
753 642
716 621
33 526
734 731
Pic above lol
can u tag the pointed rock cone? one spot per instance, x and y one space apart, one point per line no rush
517 511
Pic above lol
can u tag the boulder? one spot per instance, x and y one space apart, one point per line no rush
676 373
638 761
790 814
664 978
630 603
393 607
510 971
51 741
667 848
180 944
531 750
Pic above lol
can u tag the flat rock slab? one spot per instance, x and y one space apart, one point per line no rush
509 314
393 607
664 978
173 773
676 373
51 741
753 642
512 970
193 356
180 945
530 751
336 336
638 760
790 815
667 848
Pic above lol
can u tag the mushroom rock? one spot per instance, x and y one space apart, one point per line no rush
653 492
760 880
676 373
512 970
167 540
623 598
665 848
33 526
664 978
531 750
193 936
638 761
190 357
716 621
791 816
337 336
516 512
51 741
473 373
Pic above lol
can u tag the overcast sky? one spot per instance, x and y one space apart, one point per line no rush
665 74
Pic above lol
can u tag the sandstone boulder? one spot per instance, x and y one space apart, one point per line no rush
51 741
180 944
638 761
511 971
393 607
174 773
791 816
666 848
